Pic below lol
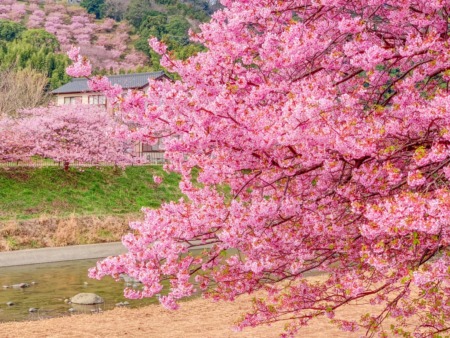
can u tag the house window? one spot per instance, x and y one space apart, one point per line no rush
146 148
72 99
159 146
97 99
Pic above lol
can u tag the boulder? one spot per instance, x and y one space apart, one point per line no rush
87 299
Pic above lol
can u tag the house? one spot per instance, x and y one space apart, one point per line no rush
77 92
73 2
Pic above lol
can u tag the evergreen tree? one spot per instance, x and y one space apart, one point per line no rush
96 7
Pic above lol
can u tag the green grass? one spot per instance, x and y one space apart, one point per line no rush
31 192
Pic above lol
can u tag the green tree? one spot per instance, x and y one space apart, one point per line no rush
10 30
40 38
137 11
178 26
96 7
21 54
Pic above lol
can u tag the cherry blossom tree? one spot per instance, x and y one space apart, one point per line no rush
16 143
54 22
74 133
17 11
320 133
107 24
36 19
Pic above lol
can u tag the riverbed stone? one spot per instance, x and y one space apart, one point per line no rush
87 299
128 279
122 304
20 286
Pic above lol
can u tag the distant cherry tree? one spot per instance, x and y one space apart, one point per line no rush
16 142
73 133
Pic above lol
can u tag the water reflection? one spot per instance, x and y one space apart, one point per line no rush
56 282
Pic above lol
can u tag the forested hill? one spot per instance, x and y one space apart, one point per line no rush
107 43
113 34
168 20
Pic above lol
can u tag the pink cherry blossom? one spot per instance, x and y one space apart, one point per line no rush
310 136
66 134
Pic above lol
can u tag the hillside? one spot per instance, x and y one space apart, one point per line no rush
113 34
107 43
168 20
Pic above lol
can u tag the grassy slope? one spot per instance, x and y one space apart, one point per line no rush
30 193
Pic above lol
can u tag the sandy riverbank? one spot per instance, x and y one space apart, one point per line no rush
198 318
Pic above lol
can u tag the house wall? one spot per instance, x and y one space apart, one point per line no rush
84 97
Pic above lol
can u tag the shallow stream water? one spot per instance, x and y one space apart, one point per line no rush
55 282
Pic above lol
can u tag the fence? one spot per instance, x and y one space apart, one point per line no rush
147 158
154 157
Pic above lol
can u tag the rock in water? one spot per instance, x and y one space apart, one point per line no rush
86 299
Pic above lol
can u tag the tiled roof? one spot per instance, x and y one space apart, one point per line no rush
126 81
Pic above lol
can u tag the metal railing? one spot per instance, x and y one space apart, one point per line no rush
147 158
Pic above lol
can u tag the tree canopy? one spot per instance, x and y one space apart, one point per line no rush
311 136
